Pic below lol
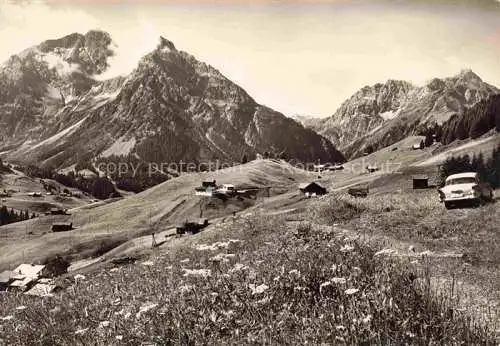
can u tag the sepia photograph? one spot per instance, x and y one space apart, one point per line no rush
249 172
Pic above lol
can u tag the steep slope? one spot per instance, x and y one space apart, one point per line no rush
383 114
170 108
37 83
158 209
474 122
366 110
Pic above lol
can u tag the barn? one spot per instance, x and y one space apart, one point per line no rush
62 227
420 181
209 183
57 211
312 189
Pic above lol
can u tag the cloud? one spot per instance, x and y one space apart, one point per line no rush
294 59
130 45
27 23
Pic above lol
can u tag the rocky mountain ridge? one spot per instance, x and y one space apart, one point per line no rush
382 114
171 107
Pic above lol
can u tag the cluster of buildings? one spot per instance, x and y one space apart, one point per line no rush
211 189
327 167
28 278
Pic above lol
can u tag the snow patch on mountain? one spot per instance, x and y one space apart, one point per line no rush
207 136
120 147
389 115
62 67
53 92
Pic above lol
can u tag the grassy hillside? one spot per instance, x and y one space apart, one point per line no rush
110 224
255 280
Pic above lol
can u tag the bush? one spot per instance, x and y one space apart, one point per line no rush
57 265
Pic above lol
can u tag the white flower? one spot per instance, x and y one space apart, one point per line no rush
238 267
119 337
217 245
197 272
294 271
337 280
325 284
258 289
351 291
79 277
104 324
347 248
81 331
340 327
145 308
185 260
387 252
367 319
213 316
185 288
222 257
217 258
264 300
148 263
7 318
22 307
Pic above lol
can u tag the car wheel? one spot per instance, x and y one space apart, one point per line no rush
448 205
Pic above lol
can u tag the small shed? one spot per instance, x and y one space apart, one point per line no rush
420 181
208 183
358 191
312 188
62 227
28 270
336 167
57 211
320 167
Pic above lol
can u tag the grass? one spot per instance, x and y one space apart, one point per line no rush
414 222
417 216
255 280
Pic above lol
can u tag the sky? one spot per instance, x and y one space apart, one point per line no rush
296 56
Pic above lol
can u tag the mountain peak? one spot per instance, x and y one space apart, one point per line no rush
468 74
166 45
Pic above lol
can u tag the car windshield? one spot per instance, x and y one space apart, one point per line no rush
457 181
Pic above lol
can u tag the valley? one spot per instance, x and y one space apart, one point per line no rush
307 231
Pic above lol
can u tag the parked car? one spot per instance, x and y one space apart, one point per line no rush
465 188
